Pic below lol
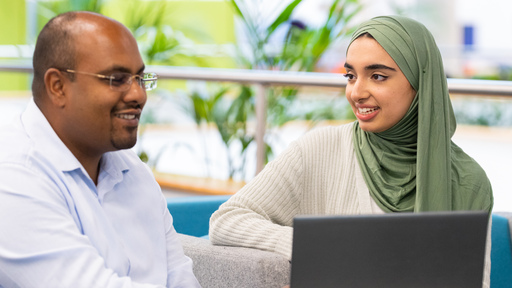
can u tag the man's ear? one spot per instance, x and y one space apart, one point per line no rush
54 82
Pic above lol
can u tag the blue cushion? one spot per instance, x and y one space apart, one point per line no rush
191 215
501 254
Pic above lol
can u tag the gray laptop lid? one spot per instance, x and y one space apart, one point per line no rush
429 249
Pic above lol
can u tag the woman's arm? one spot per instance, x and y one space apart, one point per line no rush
261 214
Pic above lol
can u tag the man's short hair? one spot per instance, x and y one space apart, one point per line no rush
54 49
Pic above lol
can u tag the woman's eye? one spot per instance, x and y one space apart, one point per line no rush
379 77
348 76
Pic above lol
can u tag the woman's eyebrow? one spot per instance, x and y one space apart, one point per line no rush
371 67
379 67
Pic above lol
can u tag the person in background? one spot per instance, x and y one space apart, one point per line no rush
397 157
77 207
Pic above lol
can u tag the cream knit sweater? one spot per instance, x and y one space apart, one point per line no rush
317 174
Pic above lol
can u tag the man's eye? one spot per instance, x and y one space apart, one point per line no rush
119 78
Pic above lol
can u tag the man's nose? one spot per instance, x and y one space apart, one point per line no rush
137 92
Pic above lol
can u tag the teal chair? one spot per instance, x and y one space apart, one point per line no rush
501 253
191 214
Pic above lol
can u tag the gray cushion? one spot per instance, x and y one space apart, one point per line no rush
224 267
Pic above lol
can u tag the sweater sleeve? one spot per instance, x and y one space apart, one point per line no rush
260 215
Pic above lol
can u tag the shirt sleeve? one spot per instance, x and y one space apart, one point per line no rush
260 215
179 266
40 244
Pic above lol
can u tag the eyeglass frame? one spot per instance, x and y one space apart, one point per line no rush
141 80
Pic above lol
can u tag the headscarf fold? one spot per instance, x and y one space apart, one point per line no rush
414 165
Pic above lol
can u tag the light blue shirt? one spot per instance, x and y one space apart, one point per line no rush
58 229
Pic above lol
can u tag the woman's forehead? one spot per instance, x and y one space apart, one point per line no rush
367 51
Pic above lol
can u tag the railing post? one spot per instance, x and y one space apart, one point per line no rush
261 123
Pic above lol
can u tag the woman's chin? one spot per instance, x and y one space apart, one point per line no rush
371 127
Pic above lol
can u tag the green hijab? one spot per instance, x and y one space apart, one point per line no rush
414 165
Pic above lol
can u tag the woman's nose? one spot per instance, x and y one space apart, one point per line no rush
357 91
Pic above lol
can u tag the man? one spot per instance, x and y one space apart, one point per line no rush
76 208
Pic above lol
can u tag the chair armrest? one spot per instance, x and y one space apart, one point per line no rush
191 215
501 250
223 266
507 215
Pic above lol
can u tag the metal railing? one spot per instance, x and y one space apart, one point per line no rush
262 79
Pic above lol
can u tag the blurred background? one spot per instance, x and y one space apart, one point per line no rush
199 137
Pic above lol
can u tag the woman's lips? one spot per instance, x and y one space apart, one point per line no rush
366 113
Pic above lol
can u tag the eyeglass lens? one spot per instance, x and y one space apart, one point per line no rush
123 81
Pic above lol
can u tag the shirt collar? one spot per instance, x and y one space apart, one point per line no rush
112 169
114 164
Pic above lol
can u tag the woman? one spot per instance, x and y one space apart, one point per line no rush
397 157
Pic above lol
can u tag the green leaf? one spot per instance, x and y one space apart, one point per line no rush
198 108
237 9
283 17
332 9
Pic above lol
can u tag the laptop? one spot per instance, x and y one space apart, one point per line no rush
428 249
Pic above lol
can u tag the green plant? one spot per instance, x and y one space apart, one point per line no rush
231 120
50 9
202 110
159 42
209 105
301 49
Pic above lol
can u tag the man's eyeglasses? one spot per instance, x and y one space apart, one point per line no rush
123 81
